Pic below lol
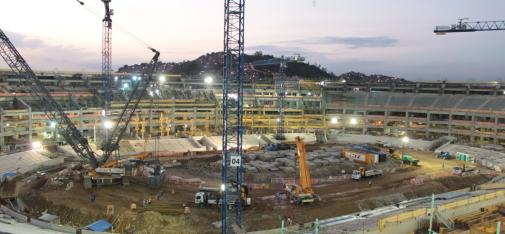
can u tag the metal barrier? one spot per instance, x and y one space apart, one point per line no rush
472 200
420 213
329 179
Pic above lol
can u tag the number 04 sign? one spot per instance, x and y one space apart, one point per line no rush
235 161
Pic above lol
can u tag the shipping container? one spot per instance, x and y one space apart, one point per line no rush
361 157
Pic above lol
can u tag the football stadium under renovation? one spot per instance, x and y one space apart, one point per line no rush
148 151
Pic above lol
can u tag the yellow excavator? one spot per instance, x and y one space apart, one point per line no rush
302 193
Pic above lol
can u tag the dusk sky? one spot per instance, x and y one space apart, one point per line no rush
391 37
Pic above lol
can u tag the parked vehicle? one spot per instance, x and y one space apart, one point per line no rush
362 173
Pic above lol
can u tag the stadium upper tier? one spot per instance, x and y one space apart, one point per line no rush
429 102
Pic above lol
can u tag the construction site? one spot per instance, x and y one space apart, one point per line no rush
247 150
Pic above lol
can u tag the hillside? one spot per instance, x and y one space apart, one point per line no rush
212 63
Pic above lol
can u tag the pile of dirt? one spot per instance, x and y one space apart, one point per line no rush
370 204
154 222
459 182
36 205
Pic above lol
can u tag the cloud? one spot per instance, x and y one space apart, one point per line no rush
351 42
45 56
276 50
22 41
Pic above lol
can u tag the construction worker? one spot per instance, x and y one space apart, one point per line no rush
370 183
92 197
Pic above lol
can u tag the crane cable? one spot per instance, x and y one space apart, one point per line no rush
116 25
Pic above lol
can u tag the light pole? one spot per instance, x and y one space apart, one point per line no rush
405 140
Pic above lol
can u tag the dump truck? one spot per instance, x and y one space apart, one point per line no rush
407 159
362 173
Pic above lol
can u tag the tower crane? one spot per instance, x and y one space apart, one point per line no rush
233 76
107 60
464 26
55 112
279 86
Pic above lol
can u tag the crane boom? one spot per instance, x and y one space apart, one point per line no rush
462 26
305 181
51 108
111 144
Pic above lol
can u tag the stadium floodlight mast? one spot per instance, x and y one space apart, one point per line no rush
405 139
334 120
353 121
36 145
108 124
208 80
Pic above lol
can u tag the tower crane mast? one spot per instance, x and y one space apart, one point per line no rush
233 75
107 60
279 87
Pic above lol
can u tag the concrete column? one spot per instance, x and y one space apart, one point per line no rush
2 130
427 129
449 127
495 130
386 127
365 122
323 111
406 122
150 120
81 122
472 137
172 116
30 123
344 123
195 117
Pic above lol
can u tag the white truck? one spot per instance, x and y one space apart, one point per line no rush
207 196
362 173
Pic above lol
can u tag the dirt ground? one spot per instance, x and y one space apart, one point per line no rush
165 214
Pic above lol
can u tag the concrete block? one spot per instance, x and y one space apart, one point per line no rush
287 170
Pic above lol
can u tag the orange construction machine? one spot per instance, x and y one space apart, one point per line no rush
302 193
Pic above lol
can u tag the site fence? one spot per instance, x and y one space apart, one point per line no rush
329 179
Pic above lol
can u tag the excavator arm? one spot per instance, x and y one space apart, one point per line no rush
51 108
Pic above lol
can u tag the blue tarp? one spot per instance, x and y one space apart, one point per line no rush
101 225
8 174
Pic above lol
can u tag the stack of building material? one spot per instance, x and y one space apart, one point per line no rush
179 145
264 166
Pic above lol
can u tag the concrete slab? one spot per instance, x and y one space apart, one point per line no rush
368 139
22 162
